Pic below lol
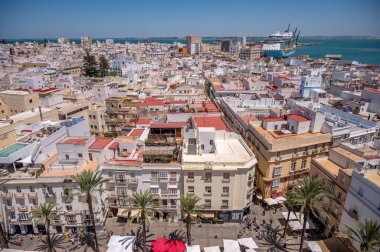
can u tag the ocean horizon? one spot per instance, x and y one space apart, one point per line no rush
363 49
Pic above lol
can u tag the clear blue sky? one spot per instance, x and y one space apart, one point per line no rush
144 18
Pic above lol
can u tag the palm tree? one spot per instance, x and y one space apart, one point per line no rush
135 239
190 207
89 183
367 234
47 212
145 203
310 196
290 209
52 244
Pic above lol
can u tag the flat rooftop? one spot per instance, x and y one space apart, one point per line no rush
11 149
348 154
374 178
329 166
227 151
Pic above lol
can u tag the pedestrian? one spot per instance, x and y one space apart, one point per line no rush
264 222
270 221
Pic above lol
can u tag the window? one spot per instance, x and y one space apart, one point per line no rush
80 155
293 166
202 146
163 175
154 190
24 216
132 175
224 203
5 189
277 171
226 177
31 188
303 165
69 208
339 196
295 151
207 203
9 202
226 190
90 156
208 189
18 189
13 215
190 175
275 183
343 179
190 189
211 142
173 191
208 177
154 175
278 154
122 191
120 177
67 156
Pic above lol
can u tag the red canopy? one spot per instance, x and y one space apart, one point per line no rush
165 245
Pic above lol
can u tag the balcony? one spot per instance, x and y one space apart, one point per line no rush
225 194
23 209
190 180
56 222
66 198
226 180
207 194
72 222
10 208
353 213
13 221
113 205
32 195
120 181
7 195
19 195
278 158
164 180
33 208
169 207
133 181
154 179
173 195
123 195
294 155
70 213
224 206
207 206
112 196
50 195
173 180
190 193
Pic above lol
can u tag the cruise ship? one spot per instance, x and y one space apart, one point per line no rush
281 44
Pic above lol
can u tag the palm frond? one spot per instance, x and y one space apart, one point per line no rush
56 242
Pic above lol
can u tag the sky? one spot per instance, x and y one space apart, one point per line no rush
158 18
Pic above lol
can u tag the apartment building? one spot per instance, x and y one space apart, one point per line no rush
96 119
362 202
250 53
337 178
218 167
284 147
20 101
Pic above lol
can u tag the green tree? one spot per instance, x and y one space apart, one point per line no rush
47 212
113 73
145 203
90 183
367 234
103 66
309 196
190 207
89 67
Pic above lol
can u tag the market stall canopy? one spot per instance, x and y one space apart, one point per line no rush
231 245
291 217
211 249
271 201
313 246
193 248
115 244
248 243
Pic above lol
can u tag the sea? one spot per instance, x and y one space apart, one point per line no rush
365 51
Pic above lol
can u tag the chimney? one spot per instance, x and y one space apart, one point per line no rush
39 108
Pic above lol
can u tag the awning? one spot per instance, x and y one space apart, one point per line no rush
231 245
193 248
211 249
248 243
208 215
27 160
281 199
122 212
271 201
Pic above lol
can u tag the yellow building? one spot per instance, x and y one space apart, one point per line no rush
284 148
96 119
4 110
20 101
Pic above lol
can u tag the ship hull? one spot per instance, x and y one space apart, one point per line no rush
278 53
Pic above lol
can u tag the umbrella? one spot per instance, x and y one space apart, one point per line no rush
211 249
231 245
248 243
291 217
165 245
193 248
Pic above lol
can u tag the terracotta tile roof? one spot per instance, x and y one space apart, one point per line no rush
100 143
168 125
298 118
79 141
136 132
215 122
143 121
113 145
